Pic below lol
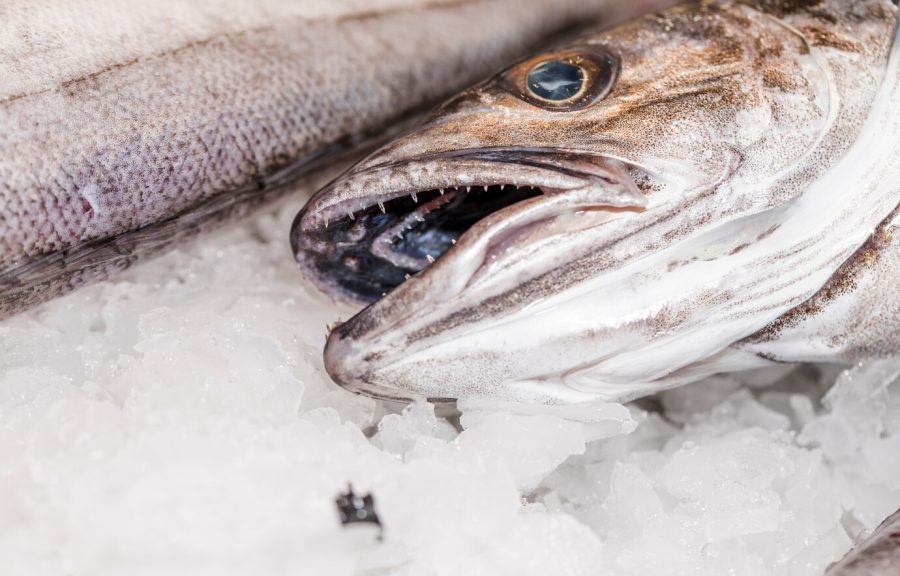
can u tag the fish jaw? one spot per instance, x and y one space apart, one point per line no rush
495 255
452 329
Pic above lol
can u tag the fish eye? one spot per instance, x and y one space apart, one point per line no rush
556 80
565 81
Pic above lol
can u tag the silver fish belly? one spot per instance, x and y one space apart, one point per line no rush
708 189
127 127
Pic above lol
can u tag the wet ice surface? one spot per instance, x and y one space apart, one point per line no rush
178 421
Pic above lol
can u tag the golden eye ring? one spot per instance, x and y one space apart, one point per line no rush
556 81
566 80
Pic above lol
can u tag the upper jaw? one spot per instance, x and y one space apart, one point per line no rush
372 182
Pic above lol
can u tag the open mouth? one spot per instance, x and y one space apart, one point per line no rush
366 234
369 252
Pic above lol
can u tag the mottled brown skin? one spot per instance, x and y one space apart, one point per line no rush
113 147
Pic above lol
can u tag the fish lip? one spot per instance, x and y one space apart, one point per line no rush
500 154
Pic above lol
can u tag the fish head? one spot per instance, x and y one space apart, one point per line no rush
525 240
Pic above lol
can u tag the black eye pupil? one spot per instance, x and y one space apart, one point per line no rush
555 80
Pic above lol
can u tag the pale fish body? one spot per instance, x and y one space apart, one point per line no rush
717 191
127 126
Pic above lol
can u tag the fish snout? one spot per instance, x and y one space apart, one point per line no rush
356 361
342 360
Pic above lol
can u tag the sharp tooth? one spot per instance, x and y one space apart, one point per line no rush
468 188
351 216
383 294
415 198
453 240
381 206
407 276
430 258
326 222
441 191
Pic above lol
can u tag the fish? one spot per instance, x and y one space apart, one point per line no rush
877 555
707 189
126 128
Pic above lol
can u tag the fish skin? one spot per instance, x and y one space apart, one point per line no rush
877 555
128 127
735 115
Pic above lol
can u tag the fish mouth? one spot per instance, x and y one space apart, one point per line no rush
378 226
400 235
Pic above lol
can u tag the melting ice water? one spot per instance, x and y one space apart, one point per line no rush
178 421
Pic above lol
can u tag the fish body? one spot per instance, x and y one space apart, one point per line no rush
126 127
707 189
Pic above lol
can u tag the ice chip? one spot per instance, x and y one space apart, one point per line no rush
529 446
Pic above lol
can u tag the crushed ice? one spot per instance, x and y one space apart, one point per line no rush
178 421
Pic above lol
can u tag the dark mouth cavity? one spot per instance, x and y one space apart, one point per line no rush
369 253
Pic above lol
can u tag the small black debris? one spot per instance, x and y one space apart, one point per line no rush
356 509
